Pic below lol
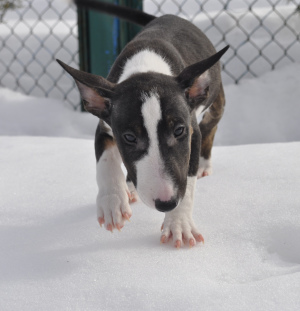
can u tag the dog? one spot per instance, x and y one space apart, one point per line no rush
148 108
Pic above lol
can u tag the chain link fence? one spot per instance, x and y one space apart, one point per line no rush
32 37
262 34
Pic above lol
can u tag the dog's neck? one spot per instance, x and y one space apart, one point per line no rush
145 61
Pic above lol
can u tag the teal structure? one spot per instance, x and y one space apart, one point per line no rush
102 37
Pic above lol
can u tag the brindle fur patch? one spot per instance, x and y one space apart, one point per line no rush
208 125
103 140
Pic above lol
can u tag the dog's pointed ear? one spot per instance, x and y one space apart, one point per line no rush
195 79
96 92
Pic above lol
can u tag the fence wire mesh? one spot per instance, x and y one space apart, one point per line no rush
262 34
32 37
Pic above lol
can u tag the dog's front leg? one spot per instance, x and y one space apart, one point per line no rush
179 223
113 196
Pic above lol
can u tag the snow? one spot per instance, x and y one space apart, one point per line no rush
54 255
262 110
28 115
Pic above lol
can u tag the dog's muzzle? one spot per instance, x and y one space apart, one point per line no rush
165 206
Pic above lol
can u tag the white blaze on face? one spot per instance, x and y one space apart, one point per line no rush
152 181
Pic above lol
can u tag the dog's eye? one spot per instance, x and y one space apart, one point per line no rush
130 138
178 131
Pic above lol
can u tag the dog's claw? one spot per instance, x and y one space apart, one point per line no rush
191 243
132 199
178 244
163 239
131 192
101 221
109 228
126 216
199 238
118 227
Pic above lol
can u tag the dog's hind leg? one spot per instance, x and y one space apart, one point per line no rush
208 128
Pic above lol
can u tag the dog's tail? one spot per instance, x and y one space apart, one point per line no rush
128 14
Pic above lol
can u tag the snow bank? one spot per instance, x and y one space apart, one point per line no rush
262 110
56 257
28 115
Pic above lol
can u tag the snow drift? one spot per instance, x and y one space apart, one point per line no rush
54 255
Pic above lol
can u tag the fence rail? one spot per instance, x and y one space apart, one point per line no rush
262 34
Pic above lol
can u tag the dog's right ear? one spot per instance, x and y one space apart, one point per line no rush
195 79
96 92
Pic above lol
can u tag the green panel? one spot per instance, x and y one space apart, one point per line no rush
129 30
103 47
102 37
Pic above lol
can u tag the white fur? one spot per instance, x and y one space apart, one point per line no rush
110 132
144 61
199 110
204 166
112 199
179 222
203 80
152 182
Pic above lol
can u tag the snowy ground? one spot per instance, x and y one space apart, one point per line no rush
54 256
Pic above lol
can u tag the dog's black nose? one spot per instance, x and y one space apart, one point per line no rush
165 206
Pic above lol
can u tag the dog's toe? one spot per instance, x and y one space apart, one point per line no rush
113 210
132 194
178 243
101 221
181 231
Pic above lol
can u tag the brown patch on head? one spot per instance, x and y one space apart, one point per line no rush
191 134
170 121
108 142
191 130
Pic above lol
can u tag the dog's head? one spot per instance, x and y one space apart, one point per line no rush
151 115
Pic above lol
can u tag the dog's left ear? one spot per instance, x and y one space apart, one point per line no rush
96 92
195 79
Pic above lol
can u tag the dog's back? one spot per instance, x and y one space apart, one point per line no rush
178 42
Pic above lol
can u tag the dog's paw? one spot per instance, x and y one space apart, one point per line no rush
114 209
180 231
133 195
205 168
